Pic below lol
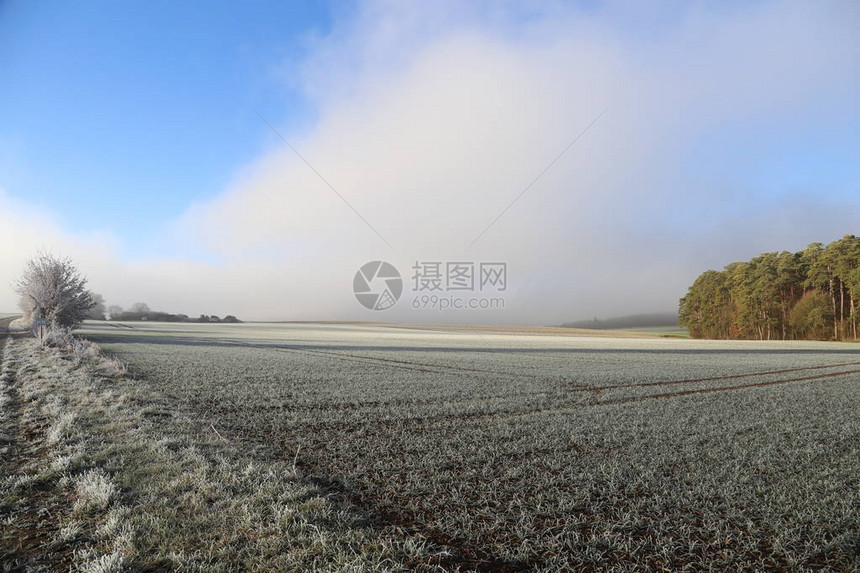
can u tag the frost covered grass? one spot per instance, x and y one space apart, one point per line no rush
542 452
95 490
104 475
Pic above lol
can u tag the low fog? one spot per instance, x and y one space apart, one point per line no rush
429 125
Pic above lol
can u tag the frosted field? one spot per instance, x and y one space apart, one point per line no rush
542 452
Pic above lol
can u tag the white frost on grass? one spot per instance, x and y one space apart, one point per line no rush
112 563
5 391
95 491
570 450
62 429
198 502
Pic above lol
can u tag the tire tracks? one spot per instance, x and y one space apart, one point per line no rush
389 362
729 377
730 388
427 368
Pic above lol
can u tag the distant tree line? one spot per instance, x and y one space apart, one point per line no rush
630 321
140 311
53 295
813 294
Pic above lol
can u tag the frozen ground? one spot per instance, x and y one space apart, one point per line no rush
540 449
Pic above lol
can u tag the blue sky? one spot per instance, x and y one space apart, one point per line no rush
119 114
129 139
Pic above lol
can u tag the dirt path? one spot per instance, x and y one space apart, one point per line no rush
4 323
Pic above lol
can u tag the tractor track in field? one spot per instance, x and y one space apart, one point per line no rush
816 377
392 363
596 390
729 377
572 386
381 424
356 406
682 393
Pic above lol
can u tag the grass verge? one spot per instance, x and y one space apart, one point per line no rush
102 474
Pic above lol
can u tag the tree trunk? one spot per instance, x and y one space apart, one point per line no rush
853 316
784 316
842 305
833 299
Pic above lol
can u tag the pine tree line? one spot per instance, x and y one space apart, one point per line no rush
813 294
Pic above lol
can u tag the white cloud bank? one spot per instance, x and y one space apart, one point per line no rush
433 120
